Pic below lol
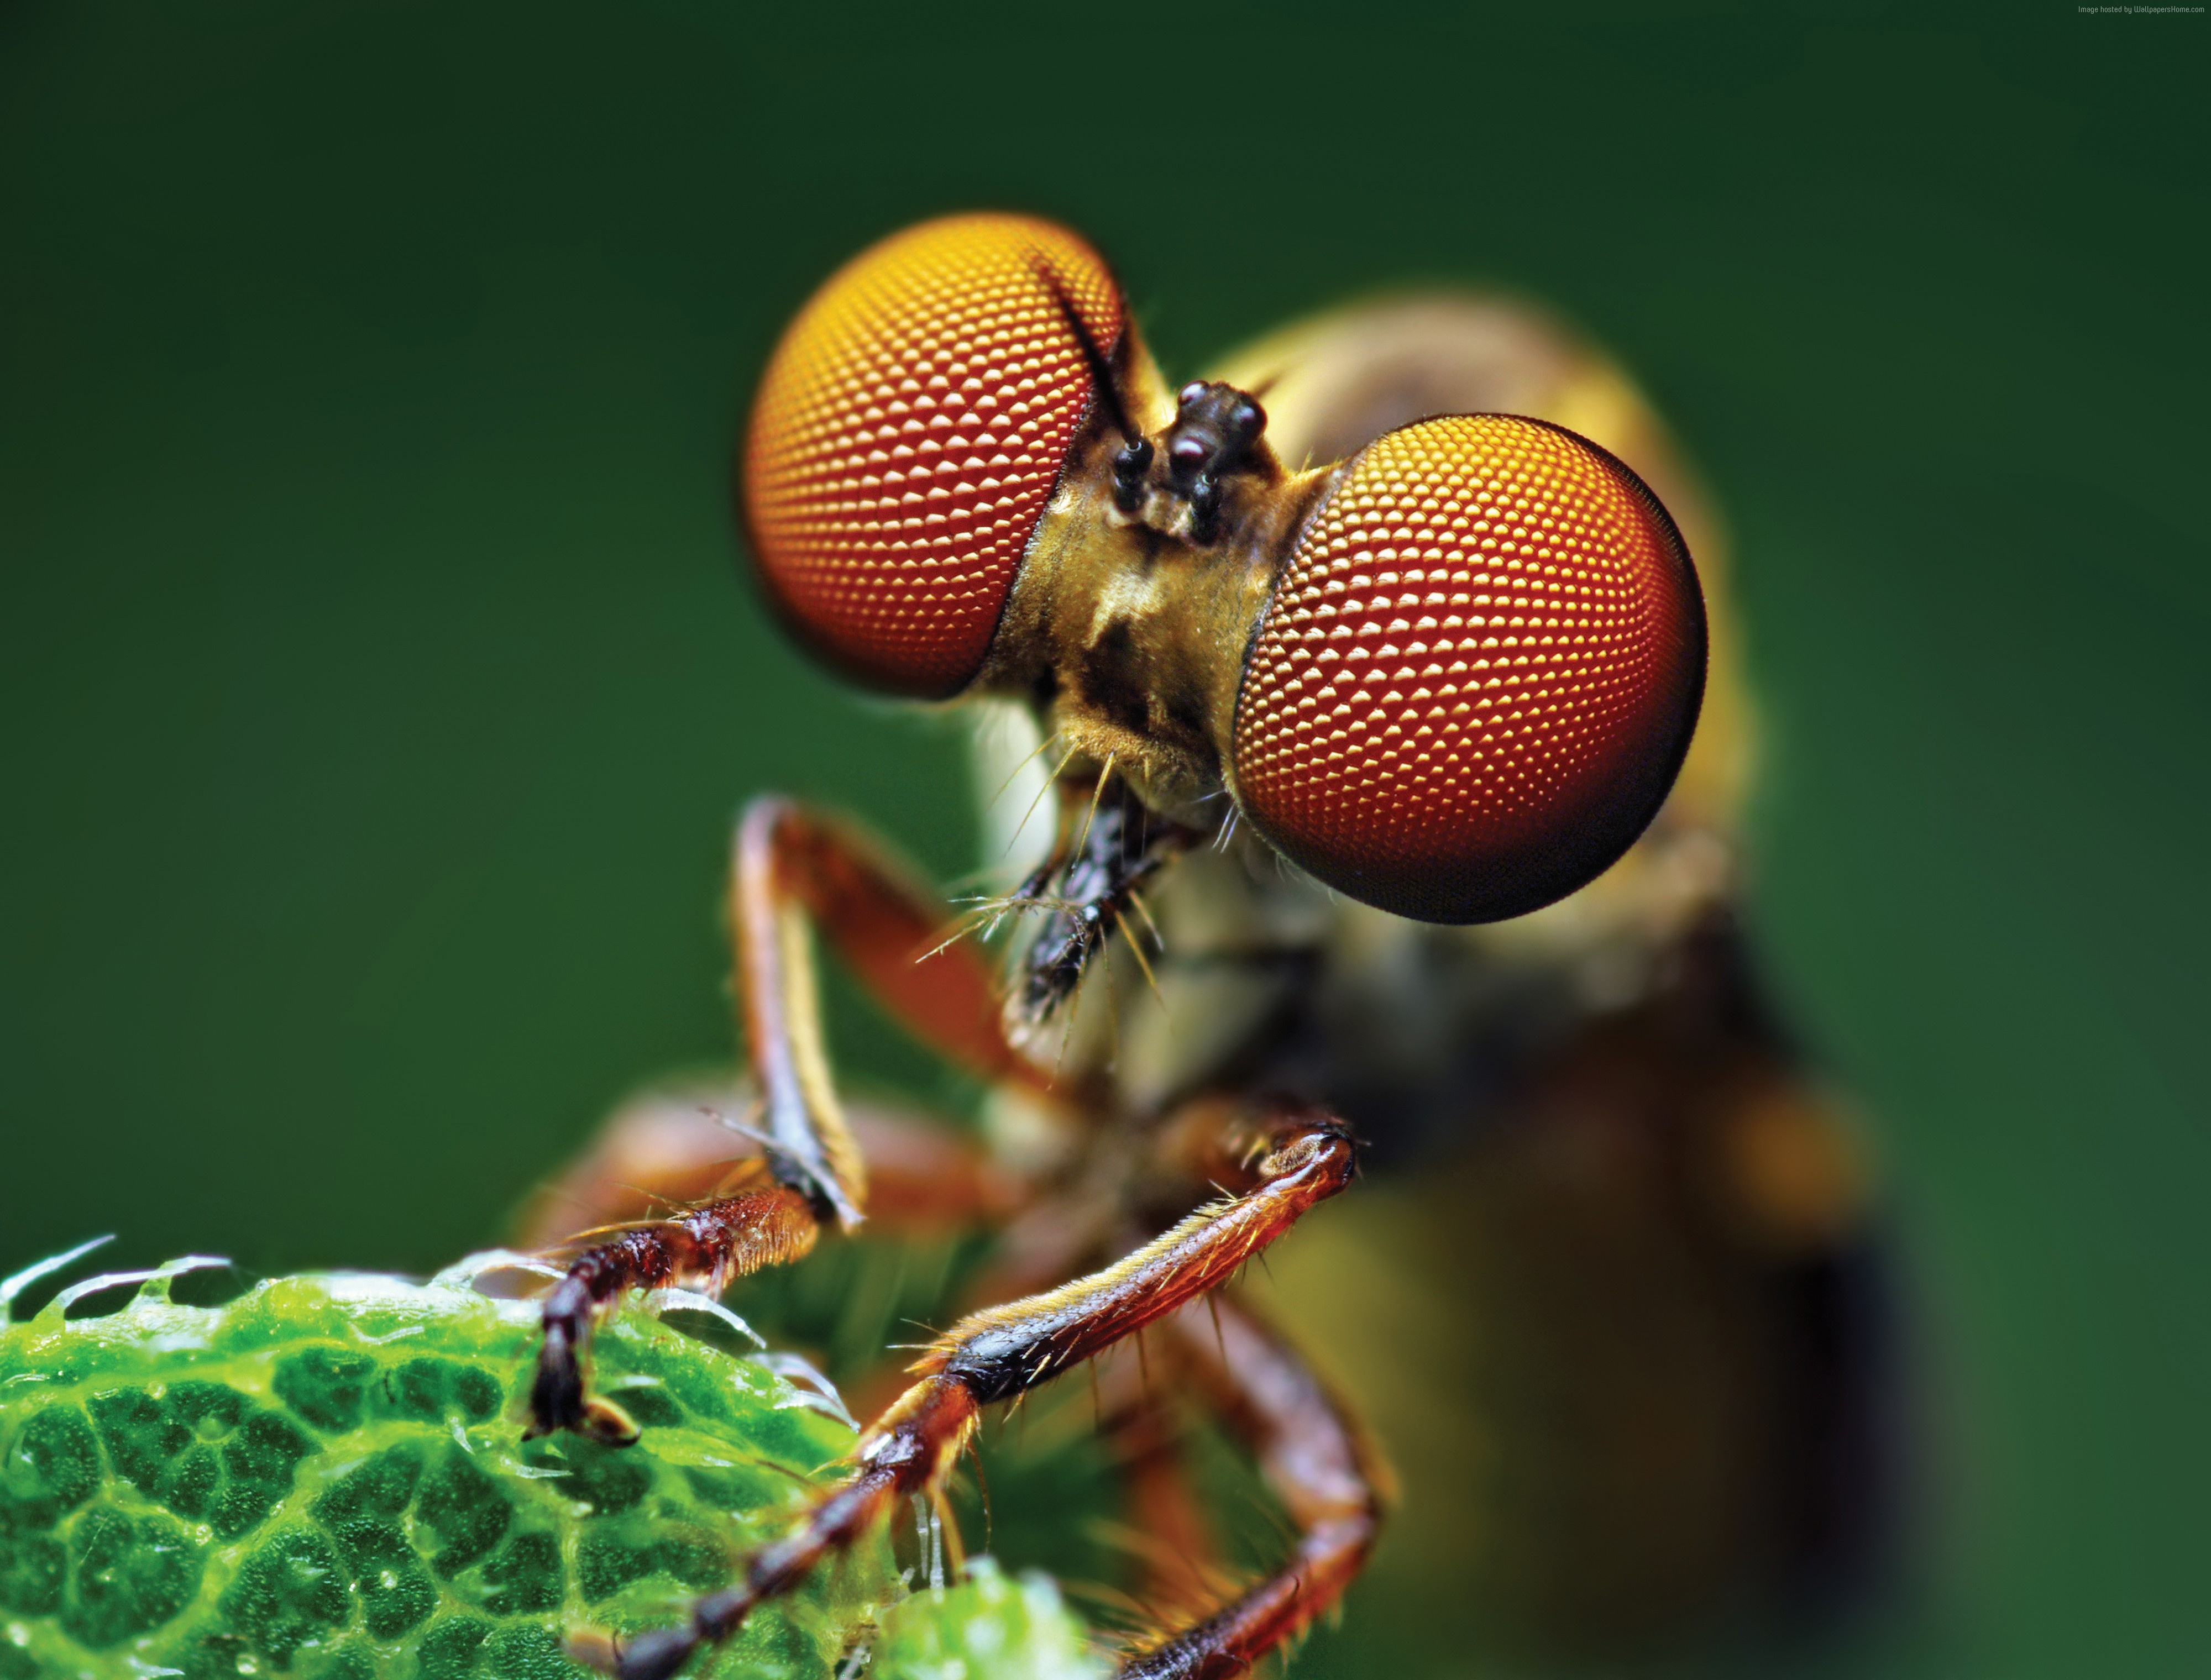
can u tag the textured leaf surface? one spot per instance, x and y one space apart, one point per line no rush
327 1478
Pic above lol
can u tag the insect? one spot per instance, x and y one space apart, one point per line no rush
1331 684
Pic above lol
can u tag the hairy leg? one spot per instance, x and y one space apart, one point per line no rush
790 866
1317 1462
1168 1530
764 1224
674 1148
1003 1352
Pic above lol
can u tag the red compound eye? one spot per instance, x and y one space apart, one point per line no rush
909 431
1478 673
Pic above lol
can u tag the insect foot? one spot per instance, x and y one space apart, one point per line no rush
708 1245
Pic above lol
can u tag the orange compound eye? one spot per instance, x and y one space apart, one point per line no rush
1478 673
908 435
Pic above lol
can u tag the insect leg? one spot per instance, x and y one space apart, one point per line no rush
674 1147
790 866
790 861
1170 1535
762 1224
1003 1352
673 1150
1317 1459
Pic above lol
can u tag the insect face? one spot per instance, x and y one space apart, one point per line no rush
1451 674
1452 677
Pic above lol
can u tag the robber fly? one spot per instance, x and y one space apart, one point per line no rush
1354 682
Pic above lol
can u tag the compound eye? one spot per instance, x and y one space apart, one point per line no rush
1478 673
908 435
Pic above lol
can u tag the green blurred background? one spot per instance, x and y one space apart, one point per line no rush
379 680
